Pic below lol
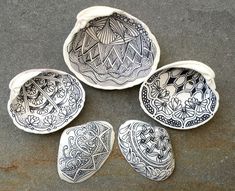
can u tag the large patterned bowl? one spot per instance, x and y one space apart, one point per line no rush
180 95
43 100
110 49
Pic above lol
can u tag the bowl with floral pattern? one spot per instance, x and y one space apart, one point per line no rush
43 101
181 95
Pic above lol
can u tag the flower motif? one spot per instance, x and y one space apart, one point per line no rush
60 93
162 106
19 108
191 103
73 99
42 111
50 121
195 104
164 95
155 89
40 81
50 87
64 112
184 112
202 106
31 121
175 104
69 83
31 90
157 92
37 101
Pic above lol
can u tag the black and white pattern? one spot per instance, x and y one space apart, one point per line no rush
147 149
47 102
111 52
83 150
178 97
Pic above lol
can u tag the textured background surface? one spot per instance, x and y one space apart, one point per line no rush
32 35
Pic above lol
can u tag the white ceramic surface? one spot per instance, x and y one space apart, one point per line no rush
43 101
83 150
181 95
110 49
147 149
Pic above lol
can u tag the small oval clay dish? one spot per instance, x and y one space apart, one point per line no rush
181 95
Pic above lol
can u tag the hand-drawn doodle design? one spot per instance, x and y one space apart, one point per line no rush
112 51
83 150
47 102
147 149
178 97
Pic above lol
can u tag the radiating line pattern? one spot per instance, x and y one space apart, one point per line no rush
147 149
179 98
47 102
112 51
83 150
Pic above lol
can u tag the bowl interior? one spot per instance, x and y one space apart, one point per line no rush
111 51
47 102
178 97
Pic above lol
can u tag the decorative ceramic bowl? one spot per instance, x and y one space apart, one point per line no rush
43 100
180 95
83 150
110 49
147 149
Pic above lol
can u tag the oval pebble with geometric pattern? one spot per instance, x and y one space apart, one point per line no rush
43 101
83 150
110 49
147 149
179 97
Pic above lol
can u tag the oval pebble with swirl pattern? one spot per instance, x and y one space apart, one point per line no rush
83 150
147 149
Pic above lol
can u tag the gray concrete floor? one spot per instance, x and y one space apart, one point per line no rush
32 35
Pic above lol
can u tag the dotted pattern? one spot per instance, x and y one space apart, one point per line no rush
197 120
137 26
170 121
213 104
146 101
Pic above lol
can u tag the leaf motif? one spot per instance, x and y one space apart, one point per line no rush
106 35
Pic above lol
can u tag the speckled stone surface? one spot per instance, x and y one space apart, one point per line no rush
32 34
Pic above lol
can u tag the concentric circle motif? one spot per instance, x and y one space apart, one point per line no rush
178 97
47 102
111 52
